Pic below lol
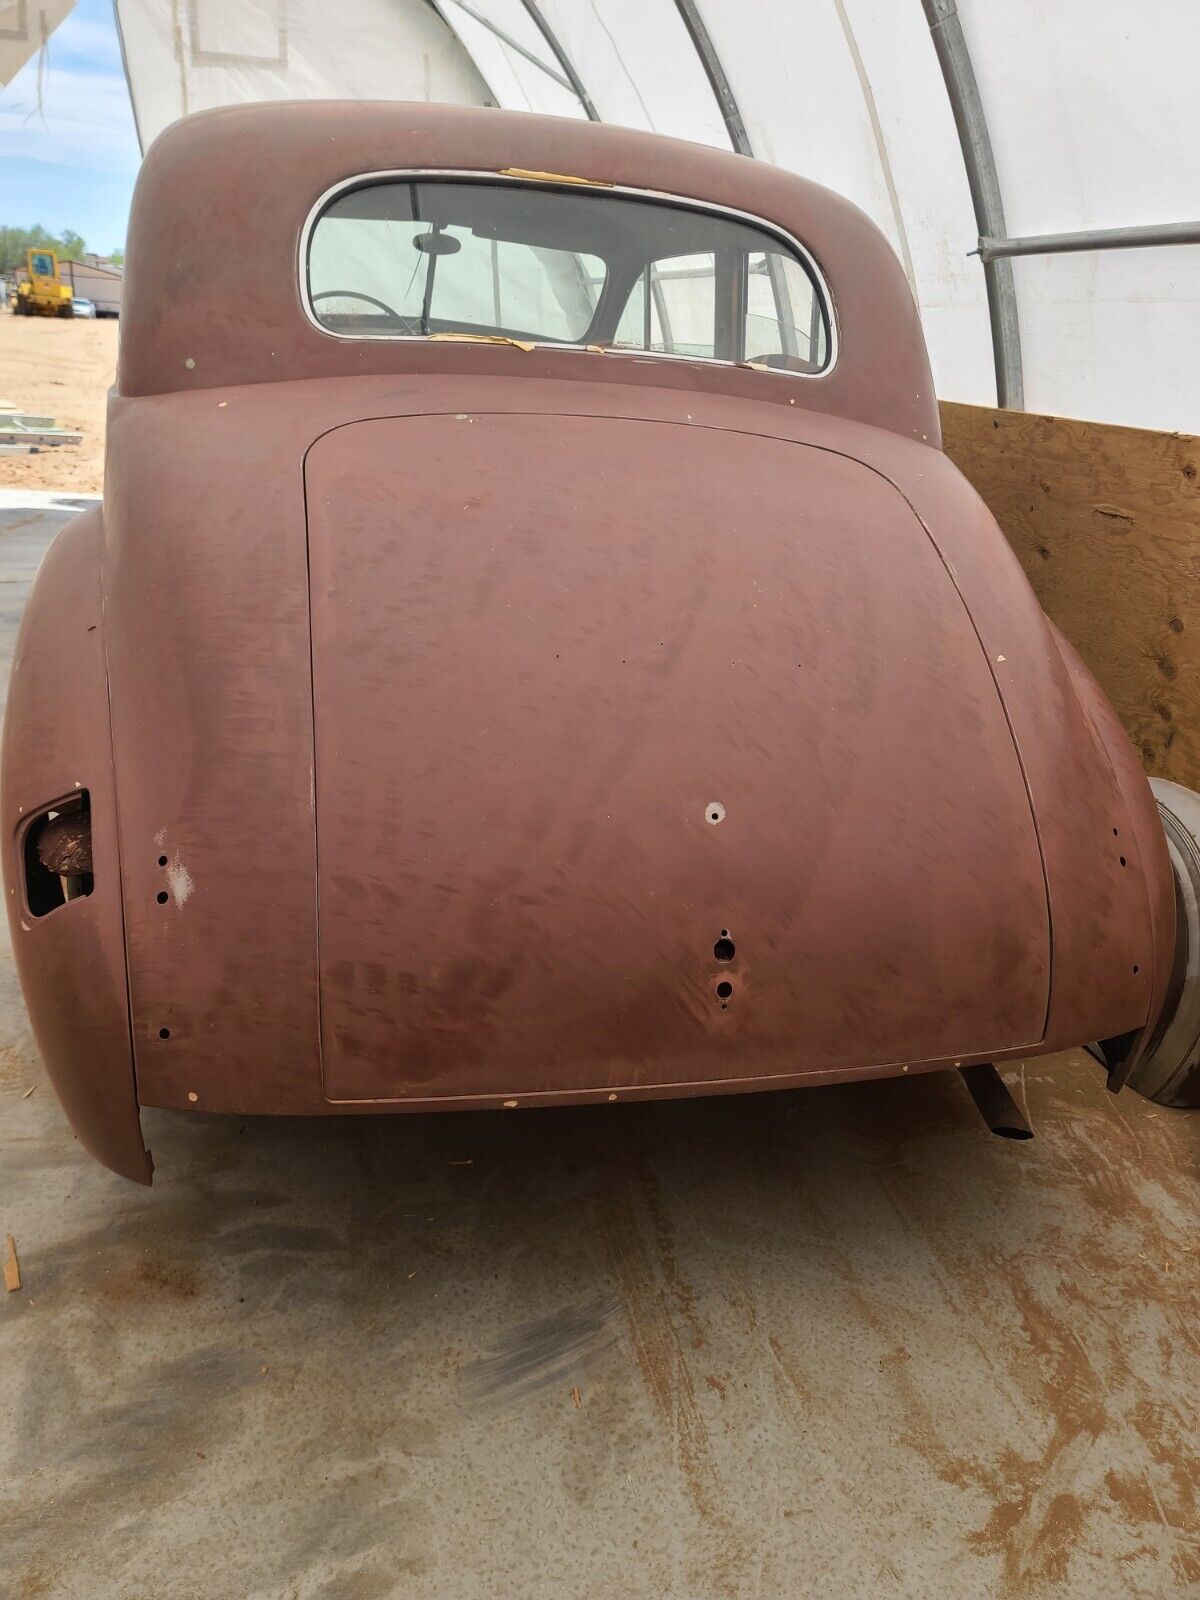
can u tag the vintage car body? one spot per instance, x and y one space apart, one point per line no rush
473 724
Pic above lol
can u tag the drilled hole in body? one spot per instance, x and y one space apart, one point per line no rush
724 949
164 1033
162 861
724 989
162 897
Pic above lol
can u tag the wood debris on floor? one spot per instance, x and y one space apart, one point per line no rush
12 1267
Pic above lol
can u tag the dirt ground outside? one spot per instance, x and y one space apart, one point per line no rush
64 369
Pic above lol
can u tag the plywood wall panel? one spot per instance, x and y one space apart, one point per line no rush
1106 523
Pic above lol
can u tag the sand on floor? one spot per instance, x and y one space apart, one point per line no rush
61 368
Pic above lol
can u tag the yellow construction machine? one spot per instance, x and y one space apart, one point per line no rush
42 293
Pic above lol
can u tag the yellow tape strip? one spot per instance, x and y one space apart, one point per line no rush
554 177
481 338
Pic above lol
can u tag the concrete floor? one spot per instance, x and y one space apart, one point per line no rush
832 1344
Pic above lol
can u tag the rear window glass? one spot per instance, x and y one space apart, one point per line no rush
414 258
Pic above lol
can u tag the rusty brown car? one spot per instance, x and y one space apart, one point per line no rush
534 651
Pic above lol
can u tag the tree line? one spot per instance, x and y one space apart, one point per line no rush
70 246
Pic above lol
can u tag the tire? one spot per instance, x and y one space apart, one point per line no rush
1169 1072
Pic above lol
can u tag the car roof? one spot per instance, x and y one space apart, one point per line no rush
212 292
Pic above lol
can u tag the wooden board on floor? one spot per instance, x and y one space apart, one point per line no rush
1106 523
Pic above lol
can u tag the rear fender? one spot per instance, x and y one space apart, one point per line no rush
71 961
1146 848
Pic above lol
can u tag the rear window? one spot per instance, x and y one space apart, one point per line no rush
415 258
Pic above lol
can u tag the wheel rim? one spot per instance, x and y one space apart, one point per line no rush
1170 1070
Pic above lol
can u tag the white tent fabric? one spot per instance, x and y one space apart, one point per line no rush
639 66
1095 123
181 58
502 57
1090 107
25 26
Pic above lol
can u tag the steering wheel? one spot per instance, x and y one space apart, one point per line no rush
353 294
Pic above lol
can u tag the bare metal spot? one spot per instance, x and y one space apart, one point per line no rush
714 812
181 881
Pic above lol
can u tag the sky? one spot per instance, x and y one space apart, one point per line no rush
72 164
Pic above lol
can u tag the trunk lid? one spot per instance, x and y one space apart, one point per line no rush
547 652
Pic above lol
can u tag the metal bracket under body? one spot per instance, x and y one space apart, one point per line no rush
995 1104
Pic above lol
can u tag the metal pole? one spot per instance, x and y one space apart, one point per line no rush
514 44
715 72
955 61
561 56
1052 244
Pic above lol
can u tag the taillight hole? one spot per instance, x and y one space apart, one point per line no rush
724 989
57 855
724 949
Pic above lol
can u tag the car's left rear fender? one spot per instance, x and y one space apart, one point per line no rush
71 959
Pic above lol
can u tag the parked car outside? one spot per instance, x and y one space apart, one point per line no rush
81 307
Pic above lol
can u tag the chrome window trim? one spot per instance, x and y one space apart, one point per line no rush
451 174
